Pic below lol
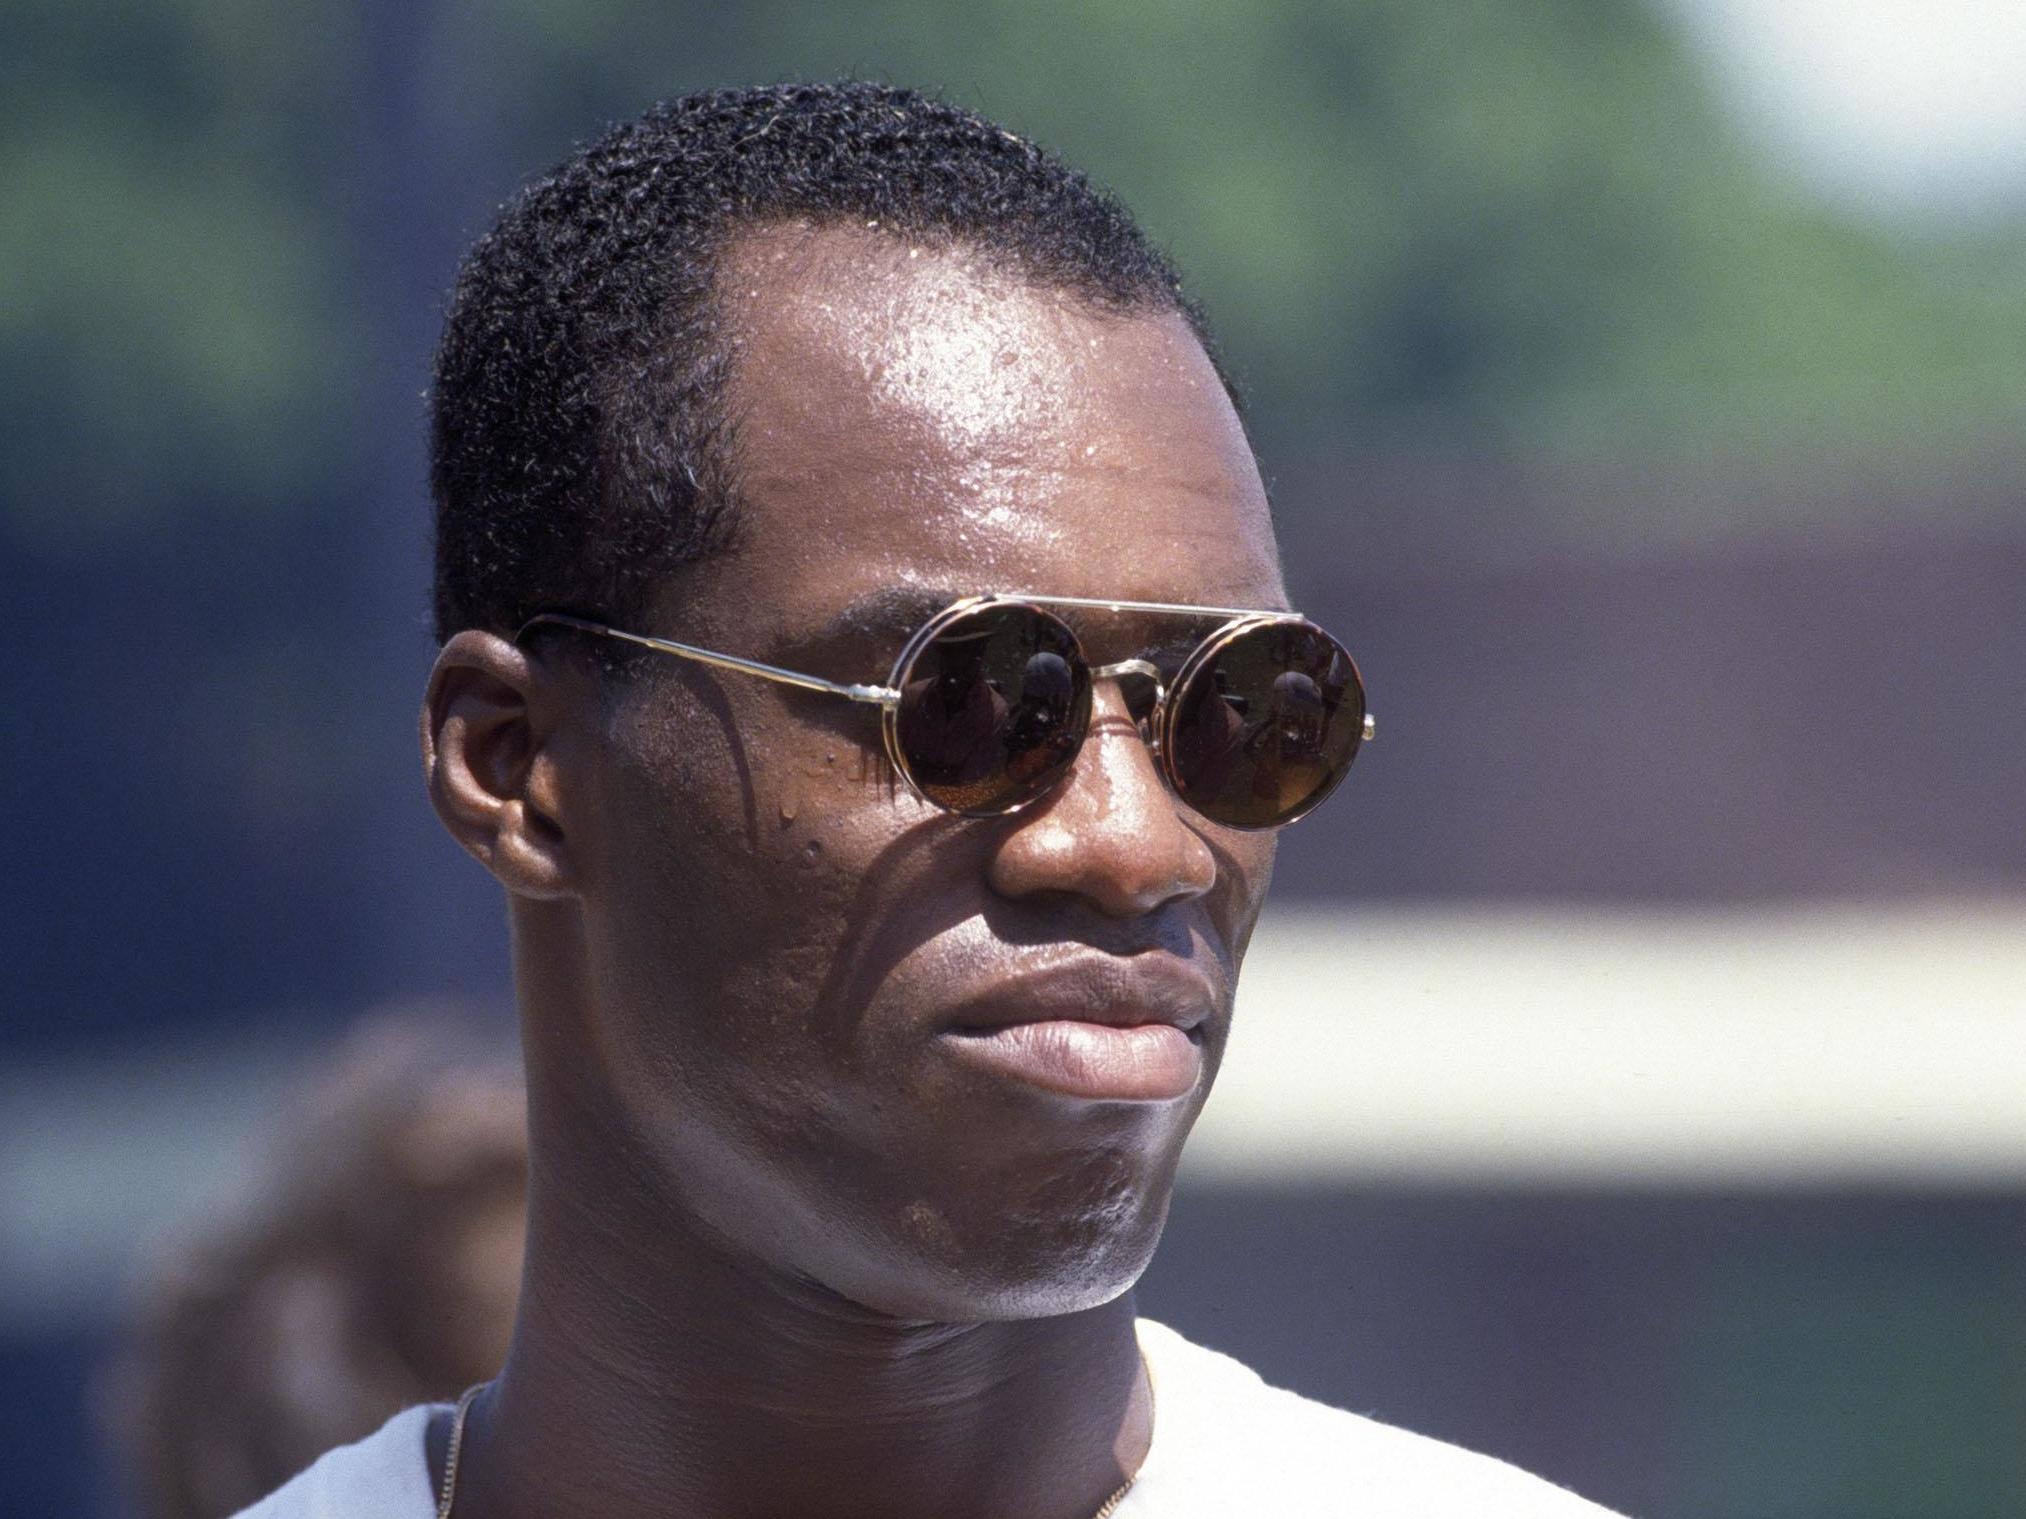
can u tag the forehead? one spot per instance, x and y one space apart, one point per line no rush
907 414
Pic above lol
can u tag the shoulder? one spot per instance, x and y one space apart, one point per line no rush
1225 1442
384 1476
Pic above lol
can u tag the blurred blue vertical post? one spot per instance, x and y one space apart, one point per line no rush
433 922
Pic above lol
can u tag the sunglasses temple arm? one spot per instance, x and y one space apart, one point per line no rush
878 696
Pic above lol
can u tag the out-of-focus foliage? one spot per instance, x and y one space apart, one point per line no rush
1468 225
172 327
1475 222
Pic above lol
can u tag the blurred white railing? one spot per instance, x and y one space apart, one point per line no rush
1426 1047
1760 1048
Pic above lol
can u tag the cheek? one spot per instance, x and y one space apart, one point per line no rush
1244 871
735 842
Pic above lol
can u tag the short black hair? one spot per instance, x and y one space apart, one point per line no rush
579 441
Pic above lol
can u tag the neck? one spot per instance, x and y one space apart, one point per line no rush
654 1372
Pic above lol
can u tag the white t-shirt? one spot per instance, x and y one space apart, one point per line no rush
1224 1443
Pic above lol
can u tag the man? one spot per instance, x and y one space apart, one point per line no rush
875 944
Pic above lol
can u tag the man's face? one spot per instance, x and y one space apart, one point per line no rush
791 956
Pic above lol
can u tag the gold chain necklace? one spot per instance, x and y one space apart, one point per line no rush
449 1494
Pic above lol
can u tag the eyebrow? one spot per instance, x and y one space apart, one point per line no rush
895 611
890 614
889 610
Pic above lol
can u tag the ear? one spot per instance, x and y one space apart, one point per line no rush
487 722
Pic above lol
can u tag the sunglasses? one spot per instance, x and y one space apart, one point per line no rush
989 703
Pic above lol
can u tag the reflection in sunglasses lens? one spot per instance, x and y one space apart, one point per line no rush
992 709
1265 727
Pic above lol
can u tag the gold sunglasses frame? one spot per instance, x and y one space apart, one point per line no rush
1240 620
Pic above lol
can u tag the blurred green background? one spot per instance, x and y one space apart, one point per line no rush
1671 493
1470 226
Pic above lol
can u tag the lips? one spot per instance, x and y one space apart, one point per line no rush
1100 1029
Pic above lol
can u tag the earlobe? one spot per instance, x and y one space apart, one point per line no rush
485 760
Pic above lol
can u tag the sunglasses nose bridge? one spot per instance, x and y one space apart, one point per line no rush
1144 669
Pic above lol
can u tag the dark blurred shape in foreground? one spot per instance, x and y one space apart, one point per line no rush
371 1260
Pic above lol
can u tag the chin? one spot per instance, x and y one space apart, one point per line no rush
1073 1287
966 1263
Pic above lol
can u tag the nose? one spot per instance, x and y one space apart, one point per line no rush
1111 832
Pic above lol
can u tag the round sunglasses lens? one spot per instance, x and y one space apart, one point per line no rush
1265 725
993 708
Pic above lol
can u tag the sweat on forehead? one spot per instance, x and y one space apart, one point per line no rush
983 360
897 395
578 406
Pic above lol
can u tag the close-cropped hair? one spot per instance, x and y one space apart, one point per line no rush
580 446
